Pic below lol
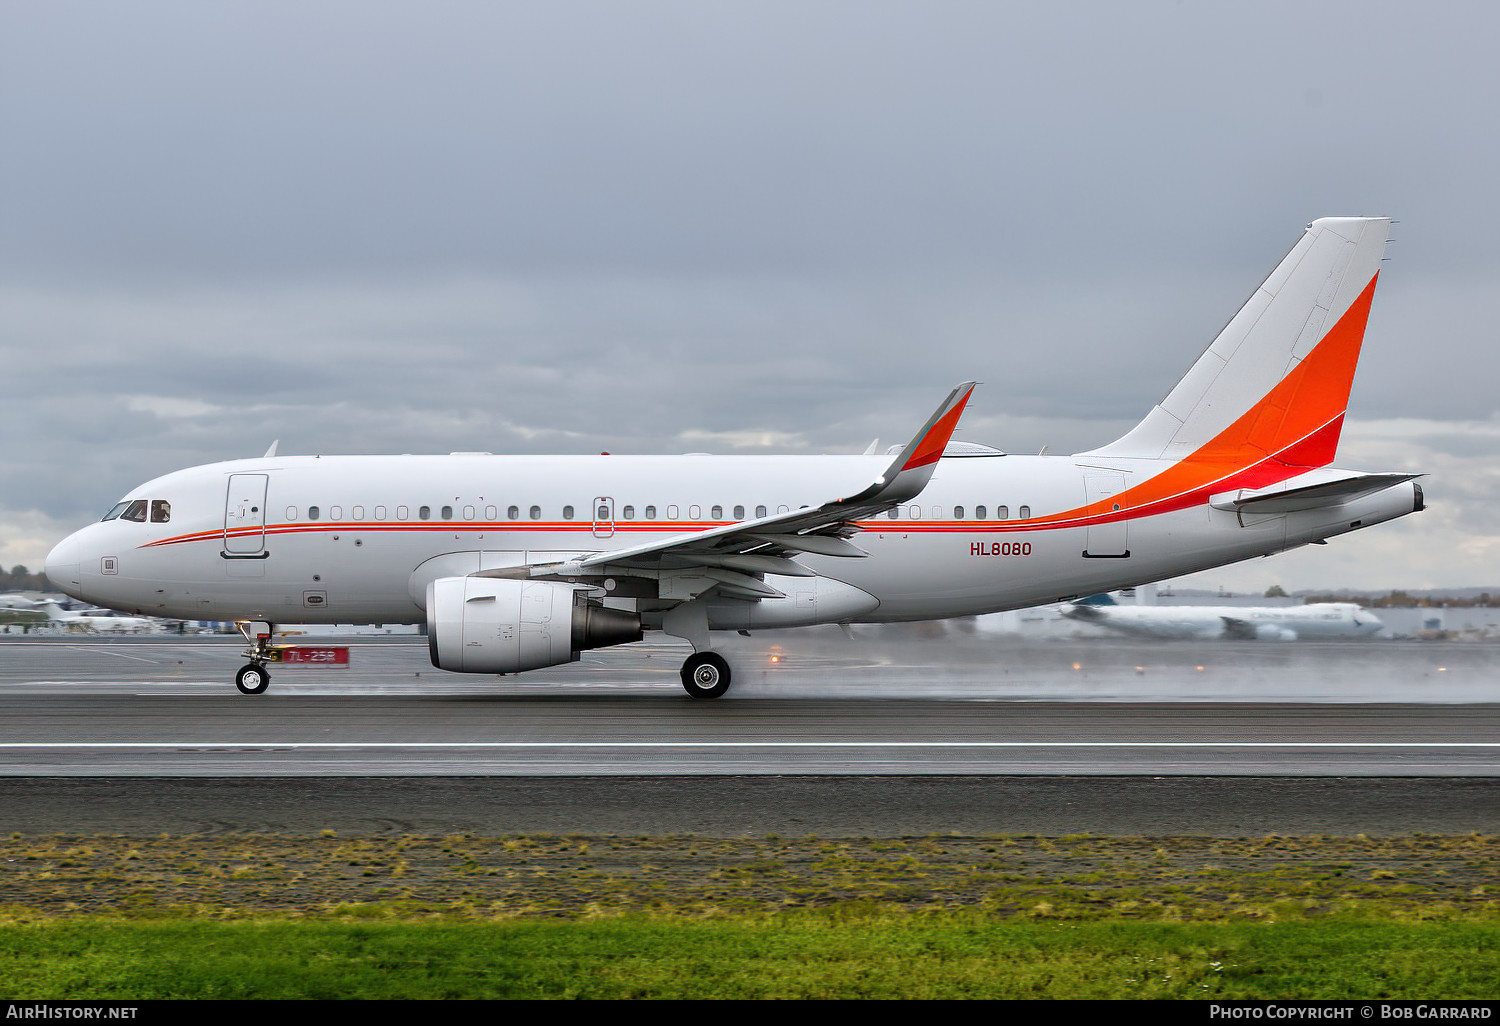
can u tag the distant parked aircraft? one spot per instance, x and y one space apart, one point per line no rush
92 623
1323 620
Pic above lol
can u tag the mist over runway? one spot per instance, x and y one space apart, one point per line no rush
948 660
898 702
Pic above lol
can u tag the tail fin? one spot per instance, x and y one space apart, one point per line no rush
1104 598
53 610
1275 383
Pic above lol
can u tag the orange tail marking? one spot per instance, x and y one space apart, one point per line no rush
1295 427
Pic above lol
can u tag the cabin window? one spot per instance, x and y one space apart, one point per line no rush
447 512
895 513
359 512
671 512
937 512
335 512
491 512
602 513
739 512
291 512
1002 512
958 512
567 512
161 511
650 512
695 512
914 512
536 512
468 512
313 513
379 512
716 513
424 513
402 512
760 511
513 513
628 512
782 509
1025 512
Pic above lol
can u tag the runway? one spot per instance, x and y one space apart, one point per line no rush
901 732
804 704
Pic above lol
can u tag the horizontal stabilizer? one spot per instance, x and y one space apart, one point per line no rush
1284 499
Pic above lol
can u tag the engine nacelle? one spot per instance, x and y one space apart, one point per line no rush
1273 632
491 625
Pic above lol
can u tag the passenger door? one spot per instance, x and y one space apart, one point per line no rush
245 515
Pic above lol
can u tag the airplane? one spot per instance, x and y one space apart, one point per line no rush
515 563
1321 620
93 622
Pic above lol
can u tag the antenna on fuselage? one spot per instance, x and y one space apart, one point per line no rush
272 450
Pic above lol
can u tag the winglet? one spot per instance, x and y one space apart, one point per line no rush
912 468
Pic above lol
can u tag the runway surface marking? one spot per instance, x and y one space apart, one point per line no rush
283 745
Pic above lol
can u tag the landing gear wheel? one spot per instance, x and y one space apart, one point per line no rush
252 679
705 675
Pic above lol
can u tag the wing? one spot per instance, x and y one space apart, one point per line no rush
734 555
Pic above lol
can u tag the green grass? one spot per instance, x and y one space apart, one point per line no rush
790 955
532 916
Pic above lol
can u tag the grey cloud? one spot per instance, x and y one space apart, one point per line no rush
584 226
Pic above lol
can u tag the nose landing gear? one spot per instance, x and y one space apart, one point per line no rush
252 678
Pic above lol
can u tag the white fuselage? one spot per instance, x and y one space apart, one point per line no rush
356 539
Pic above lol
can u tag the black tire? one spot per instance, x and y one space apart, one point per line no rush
705 675
252 679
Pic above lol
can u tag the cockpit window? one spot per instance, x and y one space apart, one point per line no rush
114 513
135 511
161 511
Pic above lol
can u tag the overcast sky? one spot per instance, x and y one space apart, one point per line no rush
729 227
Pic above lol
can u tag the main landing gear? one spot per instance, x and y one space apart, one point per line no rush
252 678
705 675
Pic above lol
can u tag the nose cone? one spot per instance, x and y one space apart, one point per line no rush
62 566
